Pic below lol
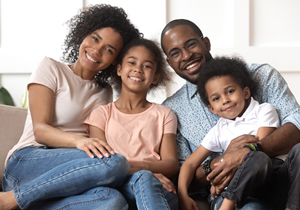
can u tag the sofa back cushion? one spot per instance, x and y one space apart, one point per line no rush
12 120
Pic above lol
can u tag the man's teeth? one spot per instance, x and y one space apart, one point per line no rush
191 66
90 58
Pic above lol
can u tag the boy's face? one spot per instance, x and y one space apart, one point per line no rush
227 98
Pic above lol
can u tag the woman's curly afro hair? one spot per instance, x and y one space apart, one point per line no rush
93 18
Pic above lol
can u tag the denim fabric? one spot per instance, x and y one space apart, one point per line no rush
284 188
251 177
69 176
250 204
143 190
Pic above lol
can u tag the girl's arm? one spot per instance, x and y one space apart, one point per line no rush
41 104
168 165
186 176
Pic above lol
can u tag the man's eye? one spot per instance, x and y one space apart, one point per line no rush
175 54
192 44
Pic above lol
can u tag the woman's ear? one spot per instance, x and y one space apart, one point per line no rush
211 109
119 68
247 93
155 79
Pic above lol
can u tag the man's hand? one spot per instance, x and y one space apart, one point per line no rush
240 141
233 157
166 183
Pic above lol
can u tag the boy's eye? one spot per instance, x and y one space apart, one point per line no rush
215 99
230 91
146 66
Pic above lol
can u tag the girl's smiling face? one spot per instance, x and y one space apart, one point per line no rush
227 98
138 70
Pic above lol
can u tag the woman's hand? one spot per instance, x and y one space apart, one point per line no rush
96 146
166 183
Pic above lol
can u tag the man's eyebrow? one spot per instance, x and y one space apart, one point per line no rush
102 39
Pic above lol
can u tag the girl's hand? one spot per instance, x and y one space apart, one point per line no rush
96 146
187 203
166 183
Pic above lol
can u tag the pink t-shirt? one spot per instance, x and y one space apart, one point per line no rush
136 136
75 98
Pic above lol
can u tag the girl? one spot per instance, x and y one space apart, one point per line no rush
142 131
55 164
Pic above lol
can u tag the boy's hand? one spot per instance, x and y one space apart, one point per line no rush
187 203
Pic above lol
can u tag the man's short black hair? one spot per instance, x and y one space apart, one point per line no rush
177 22
225 66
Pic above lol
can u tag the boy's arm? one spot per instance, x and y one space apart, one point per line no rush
262 132
187 172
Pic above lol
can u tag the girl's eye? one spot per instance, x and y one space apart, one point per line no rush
95 38
147 66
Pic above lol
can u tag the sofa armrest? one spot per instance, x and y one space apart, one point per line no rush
12 120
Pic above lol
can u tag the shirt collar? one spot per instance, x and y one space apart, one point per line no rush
192 89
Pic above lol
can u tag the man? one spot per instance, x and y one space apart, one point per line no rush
187 51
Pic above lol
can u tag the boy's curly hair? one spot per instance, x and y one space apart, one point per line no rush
161 67
234 67
93 18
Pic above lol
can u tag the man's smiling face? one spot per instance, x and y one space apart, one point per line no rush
189 65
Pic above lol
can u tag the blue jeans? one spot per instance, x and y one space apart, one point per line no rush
249 180
249 204
143 190
45 178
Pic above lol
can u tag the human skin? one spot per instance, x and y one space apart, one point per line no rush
277 143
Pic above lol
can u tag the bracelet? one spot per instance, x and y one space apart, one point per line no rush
206 167
254 147
251 147
258 147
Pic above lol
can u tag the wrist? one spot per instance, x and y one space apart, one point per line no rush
206 167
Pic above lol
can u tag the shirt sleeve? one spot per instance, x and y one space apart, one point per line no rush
274 90
267 116
170 125
45 74
97 118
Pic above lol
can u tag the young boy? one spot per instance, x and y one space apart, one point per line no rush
226 87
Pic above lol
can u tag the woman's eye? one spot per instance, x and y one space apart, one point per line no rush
110 51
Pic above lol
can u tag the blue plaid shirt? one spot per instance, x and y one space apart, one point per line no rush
195 119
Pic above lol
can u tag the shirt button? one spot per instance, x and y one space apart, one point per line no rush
215 121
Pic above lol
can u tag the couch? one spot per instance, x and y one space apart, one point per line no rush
12 121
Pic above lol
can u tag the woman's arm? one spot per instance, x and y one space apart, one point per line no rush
41 104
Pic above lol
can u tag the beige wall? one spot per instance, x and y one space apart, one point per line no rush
32 29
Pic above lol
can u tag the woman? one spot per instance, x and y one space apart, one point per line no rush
55 164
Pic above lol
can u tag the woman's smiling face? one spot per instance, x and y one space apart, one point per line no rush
99 49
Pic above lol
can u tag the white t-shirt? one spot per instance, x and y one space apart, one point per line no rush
256 116
75 98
